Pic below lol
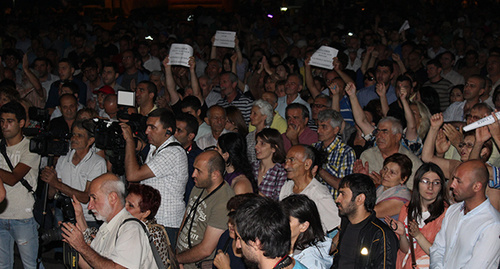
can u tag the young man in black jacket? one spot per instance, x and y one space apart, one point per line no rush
363 241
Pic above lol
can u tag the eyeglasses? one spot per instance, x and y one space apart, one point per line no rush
427 182
369 78
463 144
474 118
318 106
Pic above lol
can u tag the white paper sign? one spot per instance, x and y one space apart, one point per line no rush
405 26
323 57
224 39
179 54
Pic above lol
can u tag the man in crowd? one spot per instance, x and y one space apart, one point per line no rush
131 74
233 97
300 163
17 223
119 243
388 139
145 97
66 71
438 83
206 214
192 106
447 60
69 107
474 88
42 66
217 121
263 234
149 62
341 157
75 171
110 75
165 168
297 131
92 78
469 235
383 75
364 240
293 87
187 127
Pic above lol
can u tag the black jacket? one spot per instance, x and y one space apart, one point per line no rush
380 241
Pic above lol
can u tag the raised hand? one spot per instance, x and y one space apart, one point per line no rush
437 120
350 89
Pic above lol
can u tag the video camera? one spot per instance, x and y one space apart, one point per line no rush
109 137
55 234
45 142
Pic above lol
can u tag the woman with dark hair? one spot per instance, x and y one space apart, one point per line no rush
235 121
310 246
233 148
392 193
268 169
421 217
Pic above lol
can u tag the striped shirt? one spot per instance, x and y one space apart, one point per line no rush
442 87
243 103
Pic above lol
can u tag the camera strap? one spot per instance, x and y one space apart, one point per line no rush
156 255
24 182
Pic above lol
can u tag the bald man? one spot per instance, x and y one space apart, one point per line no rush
470 232
117 244
110 107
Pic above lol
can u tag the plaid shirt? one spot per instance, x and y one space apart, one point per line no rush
273 180
339 163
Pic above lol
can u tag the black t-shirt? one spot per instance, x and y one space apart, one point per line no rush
348 247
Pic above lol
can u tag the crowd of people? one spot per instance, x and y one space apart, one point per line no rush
253 156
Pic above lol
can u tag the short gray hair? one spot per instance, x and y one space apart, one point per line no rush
114 185
326 97
265 109
397 128
331 115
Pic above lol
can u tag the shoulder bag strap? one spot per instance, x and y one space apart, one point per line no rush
3 150
156 255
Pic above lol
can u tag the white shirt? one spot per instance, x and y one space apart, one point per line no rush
208 140
127 245
282 104
321 196
152 64
468 241
170 167
77 176
455 112
454 77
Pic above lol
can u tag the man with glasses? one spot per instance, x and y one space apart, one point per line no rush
383 74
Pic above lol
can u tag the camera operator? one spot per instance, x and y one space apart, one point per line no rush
75 171
119 243
16 211
165 168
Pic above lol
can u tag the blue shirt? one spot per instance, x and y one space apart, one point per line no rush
367 94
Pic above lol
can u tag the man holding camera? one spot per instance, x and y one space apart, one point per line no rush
75 171
16 211
165 168
119 243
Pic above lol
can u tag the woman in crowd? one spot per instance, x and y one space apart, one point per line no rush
392 192
310 246
421 217
268 169
261 117
232 147
457 94
142 202
235 121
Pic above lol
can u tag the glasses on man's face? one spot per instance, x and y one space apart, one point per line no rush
318 106
427 182
369 78
469 117
463 144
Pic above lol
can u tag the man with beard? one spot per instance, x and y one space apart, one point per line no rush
119 243
469 235
363 241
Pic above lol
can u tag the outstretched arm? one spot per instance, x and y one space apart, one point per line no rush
170 83
357 111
